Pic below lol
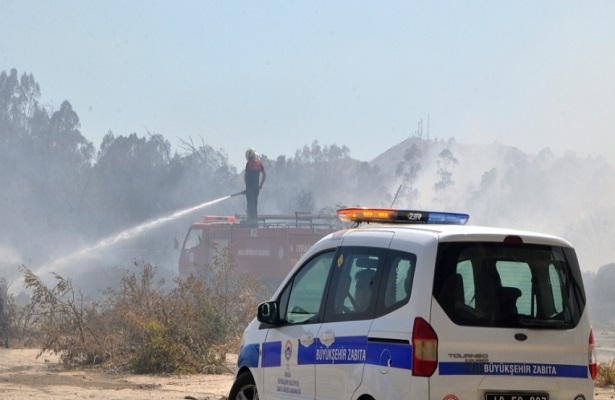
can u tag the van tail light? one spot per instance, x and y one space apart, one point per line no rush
513 239
424 348
591 353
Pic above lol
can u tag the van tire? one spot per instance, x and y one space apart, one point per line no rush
244 388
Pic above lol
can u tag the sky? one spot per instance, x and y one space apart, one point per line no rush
279 75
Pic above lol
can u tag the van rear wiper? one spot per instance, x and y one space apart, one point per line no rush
543 323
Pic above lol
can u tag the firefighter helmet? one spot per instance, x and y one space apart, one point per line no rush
250 154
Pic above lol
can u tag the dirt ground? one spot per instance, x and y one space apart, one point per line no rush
24 376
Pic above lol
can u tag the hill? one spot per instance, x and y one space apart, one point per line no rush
500 185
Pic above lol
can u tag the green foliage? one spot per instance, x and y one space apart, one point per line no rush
606 374
159 352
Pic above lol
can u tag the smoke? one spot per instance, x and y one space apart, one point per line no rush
500 186
9 255
497 185
10 260
88 253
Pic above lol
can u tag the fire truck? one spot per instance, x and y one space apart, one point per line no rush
267 248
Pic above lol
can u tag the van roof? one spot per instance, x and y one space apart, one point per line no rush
449 233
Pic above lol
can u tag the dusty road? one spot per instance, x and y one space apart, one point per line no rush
23 376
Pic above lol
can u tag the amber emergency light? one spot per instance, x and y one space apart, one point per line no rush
387 215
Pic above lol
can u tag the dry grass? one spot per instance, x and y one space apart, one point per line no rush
140 327
606 375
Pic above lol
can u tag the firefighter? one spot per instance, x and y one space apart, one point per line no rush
254 182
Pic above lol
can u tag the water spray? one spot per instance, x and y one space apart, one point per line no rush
62 262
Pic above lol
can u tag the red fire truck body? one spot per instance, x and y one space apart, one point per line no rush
267 249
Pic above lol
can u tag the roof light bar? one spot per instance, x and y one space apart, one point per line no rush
364 214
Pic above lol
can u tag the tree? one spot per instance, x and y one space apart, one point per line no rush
64 160
45 161
407 172
131 174
604 303
203 173
446 164
18 104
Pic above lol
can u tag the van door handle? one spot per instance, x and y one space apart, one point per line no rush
327 338
307 340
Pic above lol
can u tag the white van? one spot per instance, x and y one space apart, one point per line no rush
415 305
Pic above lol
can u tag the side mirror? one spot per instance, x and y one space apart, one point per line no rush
176 243
268 313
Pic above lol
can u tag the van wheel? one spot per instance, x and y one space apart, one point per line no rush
244 388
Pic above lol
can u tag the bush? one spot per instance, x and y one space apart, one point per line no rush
159 352
64 321
140 327
606 374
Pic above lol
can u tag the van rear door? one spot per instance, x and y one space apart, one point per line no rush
511 322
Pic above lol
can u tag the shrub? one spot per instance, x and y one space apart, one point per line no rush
159 352
140 327
64 321
606 374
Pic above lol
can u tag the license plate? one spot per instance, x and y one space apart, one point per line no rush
516 396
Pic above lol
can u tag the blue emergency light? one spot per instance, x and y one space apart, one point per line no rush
386 215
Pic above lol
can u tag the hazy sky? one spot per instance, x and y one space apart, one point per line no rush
278 75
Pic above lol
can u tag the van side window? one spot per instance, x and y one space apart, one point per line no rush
399 276
301 300
354 287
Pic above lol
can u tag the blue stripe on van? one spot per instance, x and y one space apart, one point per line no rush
248 356
356 350
345 350
306 354
272 354
518 369
400 354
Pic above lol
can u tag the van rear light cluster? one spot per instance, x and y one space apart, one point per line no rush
591 353
424 348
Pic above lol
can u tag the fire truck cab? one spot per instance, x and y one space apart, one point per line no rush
267 248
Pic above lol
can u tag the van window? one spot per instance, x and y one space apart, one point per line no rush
355 291
505 285
354 287
556 287
398 278
301 300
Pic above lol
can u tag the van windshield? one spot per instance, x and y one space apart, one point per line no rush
509 285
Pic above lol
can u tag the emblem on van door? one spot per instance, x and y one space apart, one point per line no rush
288 349
470 357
